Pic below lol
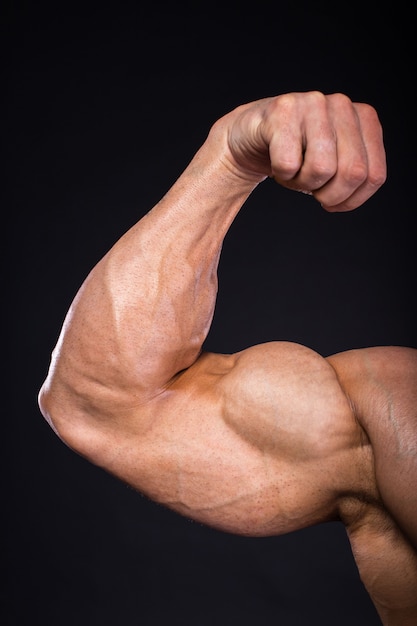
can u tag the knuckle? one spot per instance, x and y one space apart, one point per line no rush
323 170
285 169
367 111
377 179
357 172
340 100
287 102
280 105
318 97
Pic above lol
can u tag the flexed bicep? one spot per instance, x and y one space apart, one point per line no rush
144 311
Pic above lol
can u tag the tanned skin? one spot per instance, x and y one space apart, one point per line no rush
271 439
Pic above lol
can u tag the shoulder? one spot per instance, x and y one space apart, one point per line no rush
380 379
391 363
381 383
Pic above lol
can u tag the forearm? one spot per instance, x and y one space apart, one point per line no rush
162 276
144 311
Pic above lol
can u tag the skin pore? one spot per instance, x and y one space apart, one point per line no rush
273 438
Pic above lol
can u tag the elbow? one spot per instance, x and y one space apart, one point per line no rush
54 407
45 404
62 417
65 410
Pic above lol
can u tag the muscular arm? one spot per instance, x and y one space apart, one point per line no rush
143 313
261 442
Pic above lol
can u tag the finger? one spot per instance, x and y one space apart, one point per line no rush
339 153
301 141
361 163
376 158
282 131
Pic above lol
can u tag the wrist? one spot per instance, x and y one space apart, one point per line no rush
237 174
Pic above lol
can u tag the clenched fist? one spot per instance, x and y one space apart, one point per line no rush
325 145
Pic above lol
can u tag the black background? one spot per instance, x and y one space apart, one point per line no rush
106 104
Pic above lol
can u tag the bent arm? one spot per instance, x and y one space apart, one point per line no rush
127 356
142 314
